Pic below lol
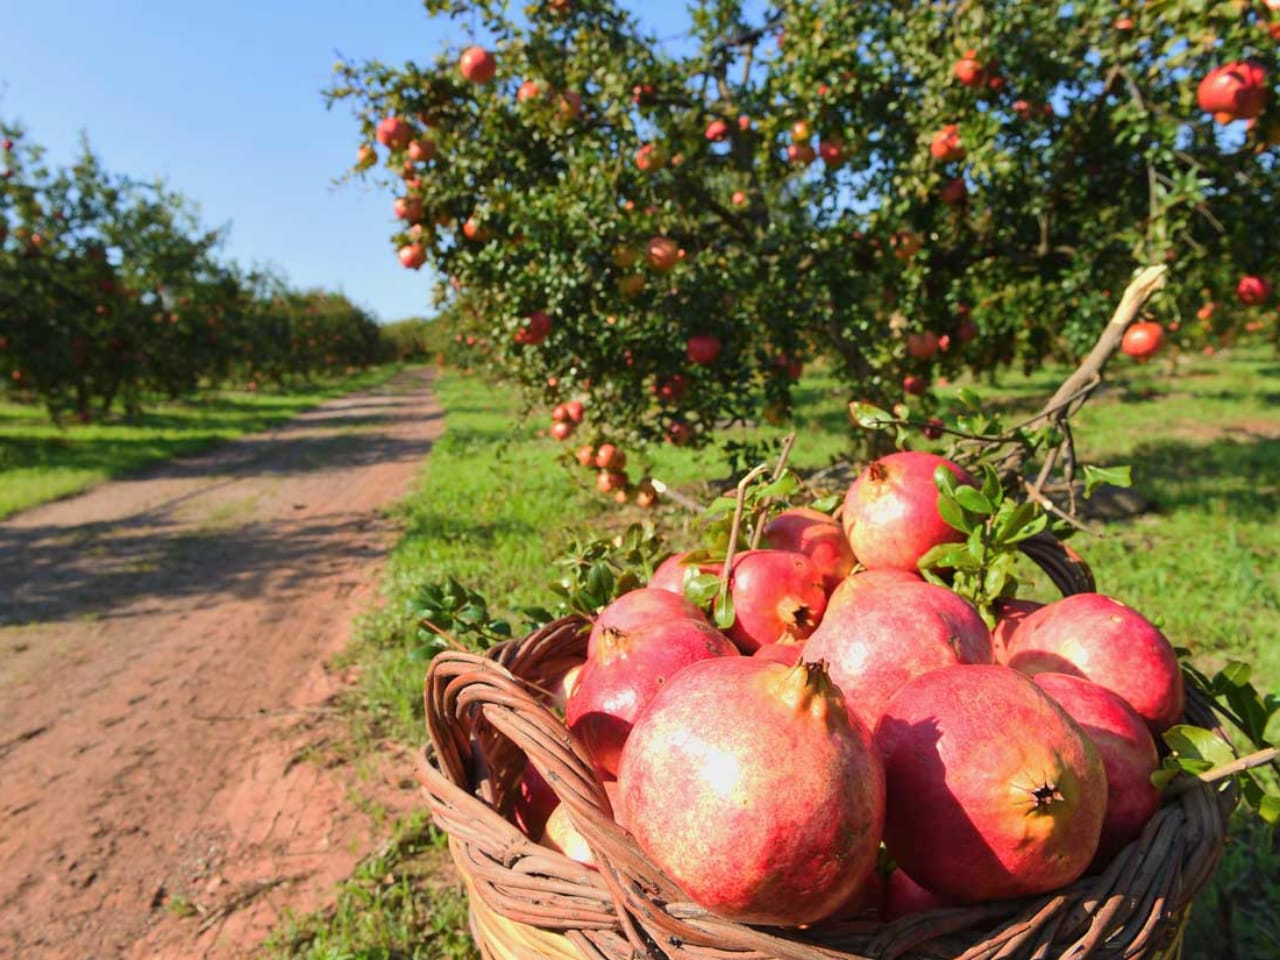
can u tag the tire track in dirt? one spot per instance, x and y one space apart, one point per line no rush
162 651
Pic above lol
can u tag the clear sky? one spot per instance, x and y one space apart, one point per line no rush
222 99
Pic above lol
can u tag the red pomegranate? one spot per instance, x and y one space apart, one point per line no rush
1253 291
777 597
1128 754
624 672
1009 614
784 653
639 609
969 71
563 837
818 537
393 132
670 574
878 640
534 802
703 349
922 346
946 146
1233 91
954 193
891 510
1142 340
1093 636
996 792
863 580
749 786
903 897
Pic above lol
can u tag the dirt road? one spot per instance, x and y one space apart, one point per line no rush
163 687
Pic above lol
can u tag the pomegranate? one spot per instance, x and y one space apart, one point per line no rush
1093 636
777 597
747 783
946 147
997 792
624 672
703 349
1009 614
1142 340
784 653
1253 291
891 510
393 132
477 65
818 537
1234 91
662 254
864 579
922 346
1128 754
609 457
641 608
968 70
954 193
563 837
879 639
669 574
903 897
534 802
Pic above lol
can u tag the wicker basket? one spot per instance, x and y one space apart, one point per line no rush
486 715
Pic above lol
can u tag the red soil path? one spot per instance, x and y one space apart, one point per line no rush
163 690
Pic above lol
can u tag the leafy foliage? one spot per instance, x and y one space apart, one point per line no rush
1084 155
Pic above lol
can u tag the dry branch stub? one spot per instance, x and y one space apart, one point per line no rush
487 718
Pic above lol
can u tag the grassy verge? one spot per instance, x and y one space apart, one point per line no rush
494 509
40 461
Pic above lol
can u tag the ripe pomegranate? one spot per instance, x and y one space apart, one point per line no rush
1009 616
575 410
528 90
670 573
680 433
831 149
968 70
641 608
671 388
914 385
408 208
703 349
878 639
586 455
1099 638
801 154
997 792
611 481
777 597
412 255
946 147
421 151
1234 91
534 802
903 897
393 133
922 346
818 537
563 837
662 254
865 579
954 193
1253 291
1128 754
784 653
1142 340
717 131
624 672
746 782
891 510
477 65
474 231
609 457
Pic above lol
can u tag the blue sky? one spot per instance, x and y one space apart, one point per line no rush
223 101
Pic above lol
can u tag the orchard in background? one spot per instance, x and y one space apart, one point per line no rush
111 290
669 230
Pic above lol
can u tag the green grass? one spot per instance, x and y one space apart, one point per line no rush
40 461
493 508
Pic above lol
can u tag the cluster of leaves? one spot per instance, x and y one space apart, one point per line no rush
111 289
450 614
1197 751
1085 154
594 572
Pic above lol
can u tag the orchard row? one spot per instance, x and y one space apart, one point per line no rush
111 291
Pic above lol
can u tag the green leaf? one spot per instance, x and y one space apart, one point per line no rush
991 488
784 486
953 514
968 398
1196 744
974 501
869 416
945 556
945 480
827 504
722 610
700 588
1269 809
1096 476
1236 673
1166 774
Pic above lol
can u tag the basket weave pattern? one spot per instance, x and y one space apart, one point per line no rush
486 715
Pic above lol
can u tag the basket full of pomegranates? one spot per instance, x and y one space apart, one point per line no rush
855 764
